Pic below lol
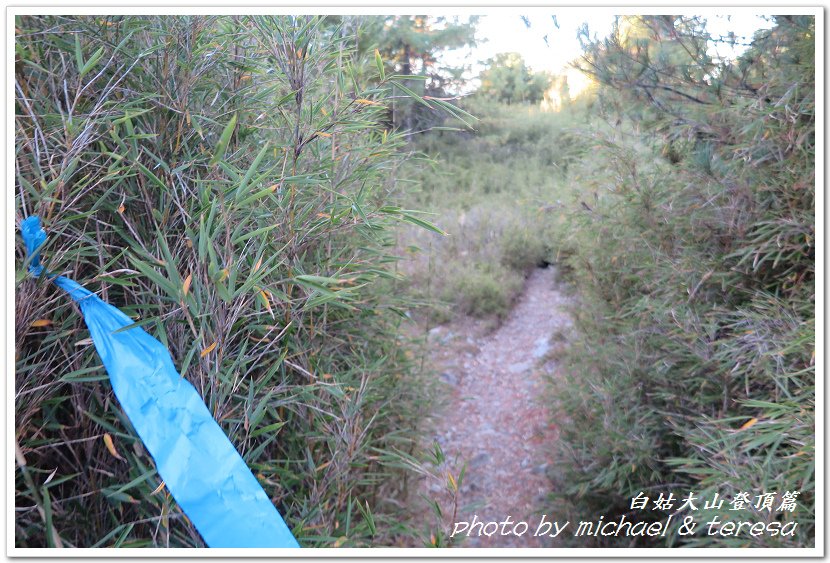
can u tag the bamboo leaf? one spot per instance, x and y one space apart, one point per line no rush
186 285
251 170
224 140
379 65
151 175
749 423
79 55
91 62
108 442
208 350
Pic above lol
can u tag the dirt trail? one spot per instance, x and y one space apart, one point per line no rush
496 419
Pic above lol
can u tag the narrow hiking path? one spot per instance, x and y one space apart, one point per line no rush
494 417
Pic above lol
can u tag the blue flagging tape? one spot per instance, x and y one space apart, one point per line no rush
205 474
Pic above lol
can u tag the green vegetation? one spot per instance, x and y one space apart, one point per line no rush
226 182
508 79
410 45
677 198
496 192
244 187
693 369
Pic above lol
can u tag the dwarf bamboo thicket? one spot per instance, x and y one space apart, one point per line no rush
695 257
226 182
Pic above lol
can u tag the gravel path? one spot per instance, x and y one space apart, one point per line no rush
495 419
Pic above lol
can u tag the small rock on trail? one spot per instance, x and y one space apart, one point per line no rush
495 420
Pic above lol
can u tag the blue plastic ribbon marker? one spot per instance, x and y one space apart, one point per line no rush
201 468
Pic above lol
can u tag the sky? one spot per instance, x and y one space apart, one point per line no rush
505 31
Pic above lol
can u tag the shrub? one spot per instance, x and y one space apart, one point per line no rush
220 179
495 191
693 367
522 249
481 290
